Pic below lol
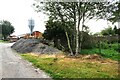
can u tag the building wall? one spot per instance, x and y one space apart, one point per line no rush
35 34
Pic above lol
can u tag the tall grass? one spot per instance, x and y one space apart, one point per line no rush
107 51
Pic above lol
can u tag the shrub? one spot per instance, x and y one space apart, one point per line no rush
88 42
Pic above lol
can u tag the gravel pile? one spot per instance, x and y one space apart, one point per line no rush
33 45
42 48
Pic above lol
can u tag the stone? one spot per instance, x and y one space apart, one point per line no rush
33 46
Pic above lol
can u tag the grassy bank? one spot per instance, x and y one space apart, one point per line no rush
59 66
106 53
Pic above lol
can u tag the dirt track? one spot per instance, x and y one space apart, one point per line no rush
13 66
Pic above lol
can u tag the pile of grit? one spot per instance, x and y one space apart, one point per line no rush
33 46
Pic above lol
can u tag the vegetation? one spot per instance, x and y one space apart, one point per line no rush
2 41
54 32
107 31
72 17
115 13
7 28
60 67
106 53
66 28
110 31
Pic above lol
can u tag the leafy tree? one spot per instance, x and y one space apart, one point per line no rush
108 31
116 30
75 12
60 12
115 17
7 28
97 34
55 32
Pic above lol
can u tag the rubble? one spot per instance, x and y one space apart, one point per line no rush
33 46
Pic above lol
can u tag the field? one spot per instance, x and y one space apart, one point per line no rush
59 66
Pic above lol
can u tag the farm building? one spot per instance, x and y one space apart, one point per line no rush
35 34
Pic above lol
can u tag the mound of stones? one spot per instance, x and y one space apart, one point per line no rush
33 46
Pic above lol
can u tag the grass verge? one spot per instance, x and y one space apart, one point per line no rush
61 67
106 53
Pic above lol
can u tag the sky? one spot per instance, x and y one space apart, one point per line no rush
19 11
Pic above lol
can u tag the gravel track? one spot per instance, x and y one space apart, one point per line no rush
13 66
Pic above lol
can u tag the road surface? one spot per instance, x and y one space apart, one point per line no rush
13 66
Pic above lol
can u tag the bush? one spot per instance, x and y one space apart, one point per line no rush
88 42
104 45
108 45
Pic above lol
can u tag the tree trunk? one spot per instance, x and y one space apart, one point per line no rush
77 39
81 39
68 42
74 32
77 31
5 37
81 35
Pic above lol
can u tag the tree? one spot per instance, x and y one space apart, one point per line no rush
57 13
7 28
108 31
115 17
77 13
97 34
54 32
115 30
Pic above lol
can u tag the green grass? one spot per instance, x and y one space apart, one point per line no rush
73 68
66 67
2 41
106 53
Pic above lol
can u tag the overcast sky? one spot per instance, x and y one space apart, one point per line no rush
19 11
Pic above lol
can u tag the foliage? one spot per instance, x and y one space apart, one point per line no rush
110 31
116 30
60 68
7 28
106 53
108 50
2 41
55 32
77 13
107 31
87 42
115 13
